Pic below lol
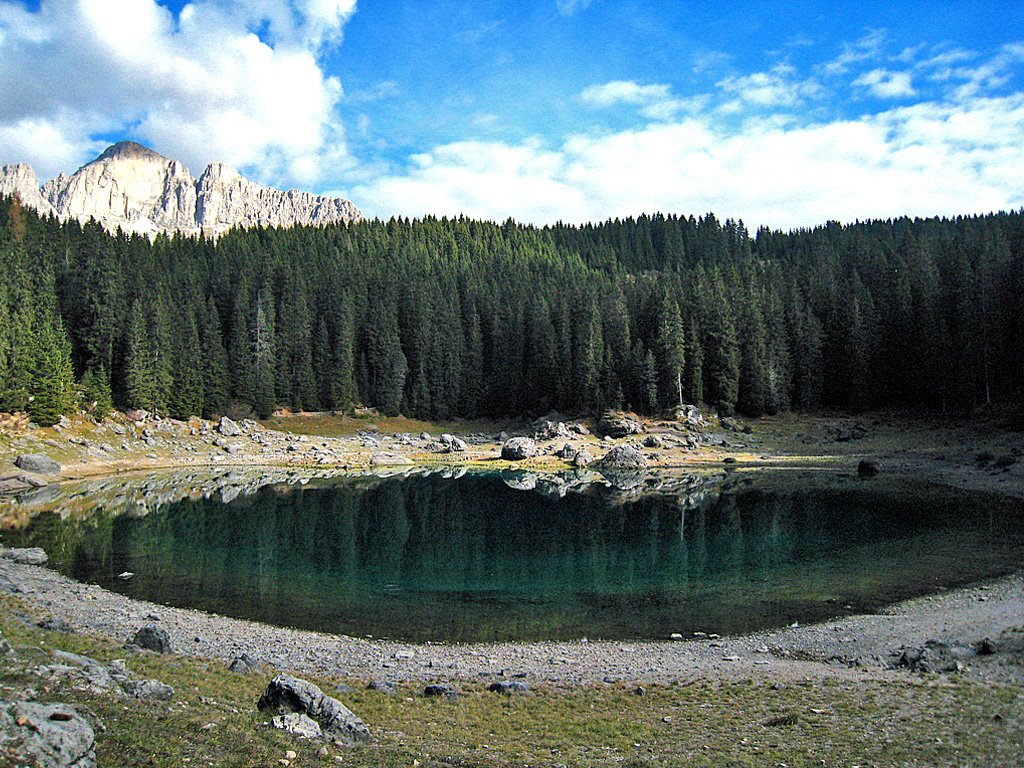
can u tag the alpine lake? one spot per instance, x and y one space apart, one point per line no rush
458 556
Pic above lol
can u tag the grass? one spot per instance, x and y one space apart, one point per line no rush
212 719
331 425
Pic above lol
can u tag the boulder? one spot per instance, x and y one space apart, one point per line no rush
228 428
287 694
613 424
549 430
27 556
518 448
382 686
152 638
452 444
39 463
45 735
654 441
623 457
567 452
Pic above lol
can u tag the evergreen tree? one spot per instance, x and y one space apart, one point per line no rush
51 378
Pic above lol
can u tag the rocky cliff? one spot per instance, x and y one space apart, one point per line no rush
138 190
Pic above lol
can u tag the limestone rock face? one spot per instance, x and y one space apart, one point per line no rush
21 180
133 188
227 199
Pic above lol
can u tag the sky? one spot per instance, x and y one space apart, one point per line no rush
782 114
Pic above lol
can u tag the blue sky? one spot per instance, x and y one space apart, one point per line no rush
783 114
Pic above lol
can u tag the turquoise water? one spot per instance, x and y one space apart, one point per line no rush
435 558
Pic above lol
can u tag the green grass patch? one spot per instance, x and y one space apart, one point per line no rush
338 425
212 719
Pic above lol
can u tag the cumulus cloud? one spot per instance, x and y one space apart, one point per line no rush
232 81
924 159
886 84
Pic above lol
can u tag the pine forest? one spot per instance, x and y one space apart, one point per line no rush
443 319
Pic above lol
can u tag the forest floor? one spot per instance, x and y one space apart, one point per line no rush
934 681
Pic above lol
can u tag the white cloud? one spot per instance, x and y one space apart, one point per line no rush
654 101
199 87
775 88
924 159
886 84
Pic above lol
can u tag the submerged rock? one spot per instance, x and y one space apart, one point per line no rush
286 694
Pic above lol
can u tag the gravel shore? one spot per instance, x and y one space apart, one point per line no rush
851 647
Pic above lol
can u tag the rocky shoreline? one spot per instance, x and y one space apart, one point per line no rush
976 631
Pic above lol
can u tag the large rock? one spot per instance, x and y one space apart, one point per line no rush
26 556
228 428
623 457
613 424
152 638
518 448
452 444
39 463
140 191
45 736
287 694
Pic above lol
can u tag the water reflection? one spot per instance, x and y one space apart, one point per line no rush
487 557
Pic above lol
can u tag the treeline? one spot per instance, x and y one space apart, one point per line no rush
459 318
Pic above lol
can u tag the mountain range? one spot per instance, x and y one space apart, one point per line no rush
132 188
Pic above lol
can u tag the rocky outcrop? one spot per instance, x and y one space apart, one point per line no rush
286 694
133 188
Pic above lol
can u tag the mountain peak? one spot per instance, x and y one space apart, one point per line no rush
147 193
128 150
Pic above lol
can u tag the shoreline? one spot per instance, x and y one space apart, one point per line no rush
860 646
850 647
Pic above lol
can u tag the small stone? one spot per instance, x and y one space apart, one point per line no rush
291 754
441 690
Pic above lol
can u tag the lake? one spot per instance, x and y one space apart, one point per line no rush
491 556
